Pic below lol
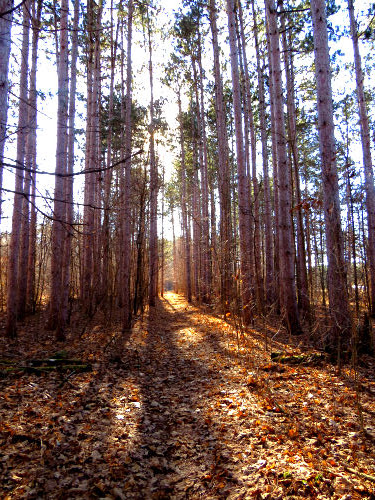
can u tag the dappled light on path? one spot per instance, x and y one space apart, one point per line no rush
181 409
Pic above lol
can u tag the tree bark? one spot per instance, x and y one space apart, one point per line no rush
337 287
13 272
206 269
61 162
153 248
91 159
366 151
269 273
5 43
244 219
105 232
302 281
68 181
127 316
223 169
255 251
25 273
185 224
287 276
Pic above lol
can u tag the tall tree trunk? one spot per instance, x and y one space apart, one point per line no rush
337 288
302 281
287 276
13 274
196 214
249 121
32 250
5 43
175 282
223 169
108 174
30 163
68 181
352 251
185 224
61 162
127 316
366 150
162 249
275 176
206 270
121 174
214 267
269 274
91 159
88 215
153 249
244 220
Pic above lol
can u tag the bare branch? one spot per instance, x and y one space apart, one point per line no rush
9 11
81 172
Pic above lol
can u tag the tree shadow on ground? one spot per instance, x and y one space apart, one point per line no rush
181 453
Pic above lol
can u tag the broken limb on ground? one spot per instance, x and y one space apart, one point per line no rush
182 409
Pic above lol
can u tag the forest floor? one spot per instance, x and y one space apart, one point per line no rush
186 408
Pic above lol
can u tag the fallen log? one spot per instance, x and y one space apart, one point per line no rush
44 366
298 359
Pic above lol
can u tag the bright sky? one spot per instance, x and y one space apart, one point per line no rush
47 84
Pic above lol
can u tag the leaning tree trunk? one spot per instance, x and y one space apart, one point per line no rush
288 297
5 42
11 327
366 150
337 287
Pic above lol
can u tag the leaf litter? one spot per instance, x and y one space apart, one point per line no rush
180 410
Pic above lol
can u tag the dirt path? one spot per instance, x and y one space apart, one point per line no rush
178 412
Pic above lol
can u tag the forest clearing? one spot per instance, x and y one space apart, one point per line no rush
183 409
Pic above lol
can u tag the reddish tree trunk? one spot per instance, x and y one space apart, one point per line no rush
153 244
185 224
5 42
206 270
13 274
244 220
128 149
61 162
68 181
337 287
30 162
223 169
287 276
302 281
269 273
366 150
250 135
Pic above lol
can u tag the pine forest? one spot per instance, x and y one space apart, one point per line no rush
187 249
